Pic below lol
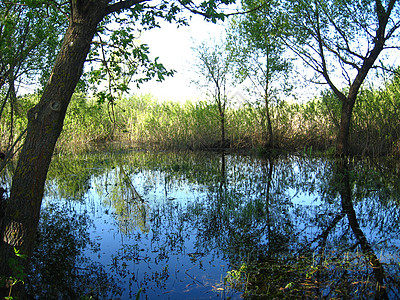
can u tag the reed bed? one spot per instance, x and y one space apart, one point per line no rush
141 121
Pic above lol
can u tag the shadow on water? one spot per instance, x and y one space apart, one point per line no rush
207 225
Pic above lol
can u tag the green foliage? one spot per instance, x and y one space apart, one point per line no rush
237 277
376 121
30 34
119 63
29 38
87 121
117 57
258 52
213 66
144 122
258 57
18 273
18 269
338 41
14 119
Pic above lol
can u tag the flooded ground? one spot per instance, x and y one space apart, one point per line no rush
144 225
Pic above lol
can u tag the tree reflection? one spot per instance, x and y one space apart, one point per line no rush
290 227
348 209
130 208
338 269
59 269
242 218
291 249
71 178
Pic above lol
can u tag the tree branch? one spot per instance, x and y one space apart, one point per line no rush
325 73
121 5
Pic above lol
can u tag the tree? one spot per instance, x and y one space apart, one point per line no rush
28 45
117 60
45 121
341 42
214 66
259 57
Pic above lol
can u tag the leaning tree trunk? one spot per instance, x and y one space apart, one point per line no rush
379 39
342 143
45 122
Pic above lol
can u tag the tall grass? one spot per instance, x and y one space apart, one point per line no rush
86 123
376 122
149 123
144 122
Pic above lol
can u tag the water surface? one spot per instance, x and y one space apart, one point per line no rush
211 225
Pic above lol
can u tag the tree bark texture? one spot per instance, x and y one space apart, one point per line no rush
342 145
45 122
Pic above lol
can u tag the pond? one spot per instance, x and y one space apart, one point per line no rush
145 225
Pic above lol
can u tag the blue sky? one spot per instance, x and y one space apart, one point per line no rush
174 46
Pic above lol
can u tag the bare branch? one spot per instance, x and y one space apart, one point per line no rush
208 16
56 6
392 30
121 5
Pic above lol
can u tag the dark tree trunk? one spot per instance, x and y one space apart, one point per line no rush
269 169
45 122
222 116
270 140
383 16
342 144
221 110
222 184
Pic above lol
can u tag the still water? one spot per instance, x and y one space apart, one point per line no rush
144 225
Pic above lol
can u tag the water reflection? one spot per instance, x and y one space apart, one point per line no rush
58 270
348 208
129 206
204 225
